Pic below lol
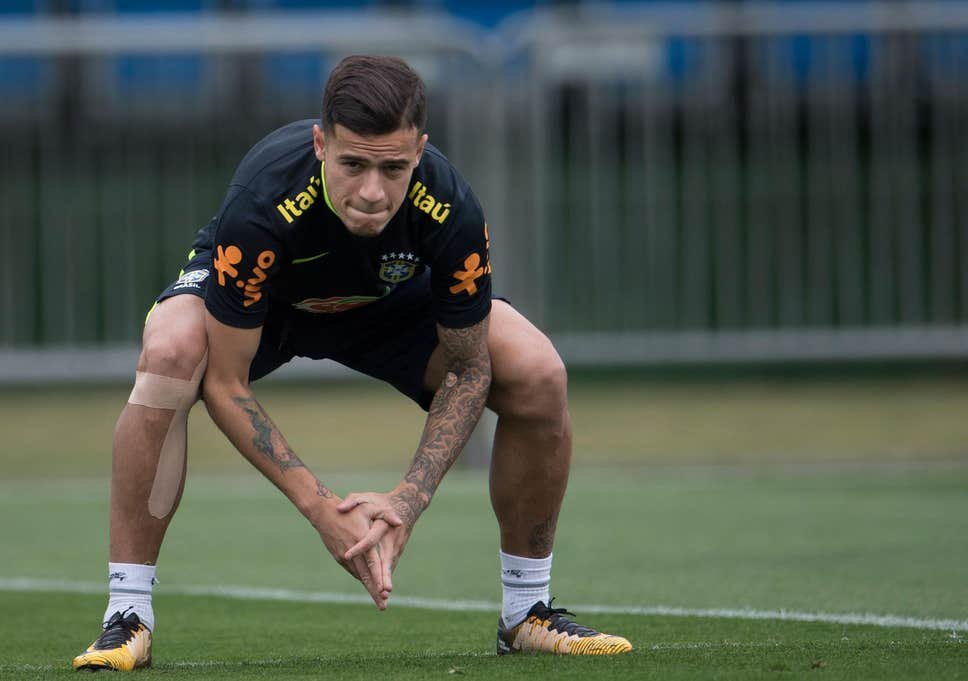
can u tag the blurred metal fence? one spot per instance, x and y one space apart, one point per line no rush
749 182
700 183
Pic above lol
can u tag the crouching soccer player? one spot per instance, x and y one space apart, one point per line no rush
359 242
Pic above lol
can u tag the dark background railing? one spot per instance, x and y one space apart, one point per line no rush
687 174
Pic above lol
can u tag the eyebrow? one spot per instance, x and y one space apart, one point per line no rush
363 159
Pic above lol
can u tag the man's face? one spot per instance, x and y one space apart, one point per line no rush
367 175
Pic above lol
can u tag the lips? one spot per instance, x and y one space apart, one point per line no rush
366 215
362 223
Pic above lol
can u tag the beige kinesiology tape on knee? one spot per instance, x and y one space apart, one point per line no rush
165 392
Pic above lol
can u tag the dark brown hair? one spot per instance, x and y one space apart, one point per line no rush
374 96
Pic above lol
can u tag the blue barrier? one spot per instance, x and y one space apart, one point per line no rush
23 79
801 60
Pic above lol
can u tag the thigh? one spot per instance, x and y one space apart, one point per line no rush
179 312
175 325
174 341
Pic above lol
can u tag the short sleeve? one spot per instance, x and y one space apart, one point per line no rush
461 268
245 256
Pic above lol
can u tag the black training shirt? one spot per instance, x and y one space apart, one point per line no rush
276 242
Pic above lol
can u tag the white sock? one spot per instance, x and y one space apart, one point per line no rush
524 581
129 590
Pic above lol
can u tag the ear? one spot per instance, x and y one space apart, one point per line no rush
319 141
420 148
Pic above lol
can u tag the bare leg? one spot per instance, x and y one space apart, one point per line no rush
174 344
532 444
529 473
527 491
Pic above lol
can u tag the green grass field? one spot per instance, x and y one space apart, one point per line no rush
748 506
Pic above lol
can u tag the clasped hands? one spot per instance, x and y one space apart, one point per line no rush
366 536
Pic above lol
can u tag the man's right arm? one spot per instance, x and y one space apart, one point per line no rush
239 415
243 420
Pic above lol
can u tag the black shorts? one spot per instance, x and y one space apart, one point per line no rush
390 339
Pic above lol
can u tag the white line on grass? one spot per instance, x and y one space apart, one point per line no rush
29 584
266 662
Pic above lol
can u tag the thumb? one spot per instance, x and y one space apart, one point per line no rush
349 503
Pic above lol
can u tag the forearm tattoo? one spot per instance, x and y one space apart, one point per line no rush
267 440
454 412
323 491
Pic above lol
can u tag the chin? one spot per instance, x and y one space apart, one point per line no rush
366 228
354 225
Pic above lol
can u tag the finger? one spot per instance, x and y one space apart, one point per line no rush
363 574
377 511
385 563
374 564
369 540
350 502
390 518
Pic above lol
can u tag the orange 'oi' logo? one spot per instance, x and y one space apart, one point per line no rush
487 246
225 262
468 276
253 285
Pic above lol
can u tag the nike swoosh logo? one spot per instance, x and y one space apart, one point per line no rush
300 261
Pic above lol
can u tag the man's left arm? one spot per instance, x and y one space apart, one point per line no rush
454 412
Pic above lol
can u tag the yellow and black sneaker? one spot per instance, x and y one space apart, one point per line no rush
547 630
125 644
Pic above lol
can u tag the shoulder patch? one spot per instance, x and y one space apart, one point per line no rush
467 277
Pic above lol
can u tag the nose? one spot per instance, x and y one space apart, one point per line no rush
371 187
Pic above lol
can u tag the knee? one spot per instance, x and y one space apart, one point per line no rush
537 390
551 381
174 352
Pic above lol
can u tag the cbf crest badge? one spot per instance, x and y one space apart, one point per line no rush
397 267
